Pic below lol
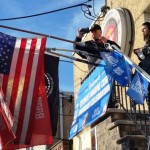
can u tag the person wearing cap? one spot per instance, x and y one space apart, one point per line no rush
90 48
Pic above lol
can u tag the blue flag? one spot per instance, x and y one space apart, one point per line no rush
138 88
120 69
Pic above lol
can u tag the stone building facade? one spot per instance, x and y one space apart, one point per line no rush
140 11
106 136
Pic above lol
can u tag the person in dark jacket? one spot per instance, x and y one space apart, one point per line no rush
144 53
91 49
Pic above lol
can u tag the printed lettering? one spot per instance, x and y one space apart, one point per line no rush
39 109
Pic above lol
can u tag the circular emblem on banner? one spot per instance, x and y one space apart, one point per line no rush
49 84
117 27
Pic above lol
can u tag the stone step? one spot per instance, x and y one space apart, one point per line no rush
116 126
127 122
126 127
116 110
131 142
131 137
119 114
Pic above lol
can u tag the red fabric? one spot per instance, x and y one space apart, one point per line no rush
21 90
6 133
6 122
42 126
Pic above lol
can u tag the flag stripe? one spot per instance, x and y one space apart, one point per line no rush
15 87
6 109
31 91
7 86
21 96
1 79
37 79
4 87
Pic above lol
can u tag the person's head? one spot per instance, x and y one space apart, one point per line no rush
96 31
146 30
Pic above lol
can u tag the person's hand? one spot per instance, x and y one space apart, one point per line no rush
104 39
80 34
137 50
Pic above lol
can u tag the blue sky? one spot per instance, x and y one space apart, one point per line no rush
63 24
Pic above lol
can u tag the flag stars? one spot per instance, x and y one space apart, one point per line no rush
7 44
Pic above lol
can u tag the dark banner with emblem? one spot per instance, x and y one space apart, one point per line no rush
51 64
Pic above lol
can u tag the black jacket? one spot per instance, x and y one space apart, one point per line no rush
90 50
145 63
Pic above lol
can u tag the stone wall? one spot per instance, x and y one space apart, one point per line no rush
140 11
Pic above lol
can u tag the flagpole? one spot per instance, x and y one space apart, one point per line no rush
80 44
72 58
75 51
76 59
59 49
54 37
36 33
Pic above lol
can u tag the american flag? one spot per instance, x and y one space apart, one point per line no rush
21 68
